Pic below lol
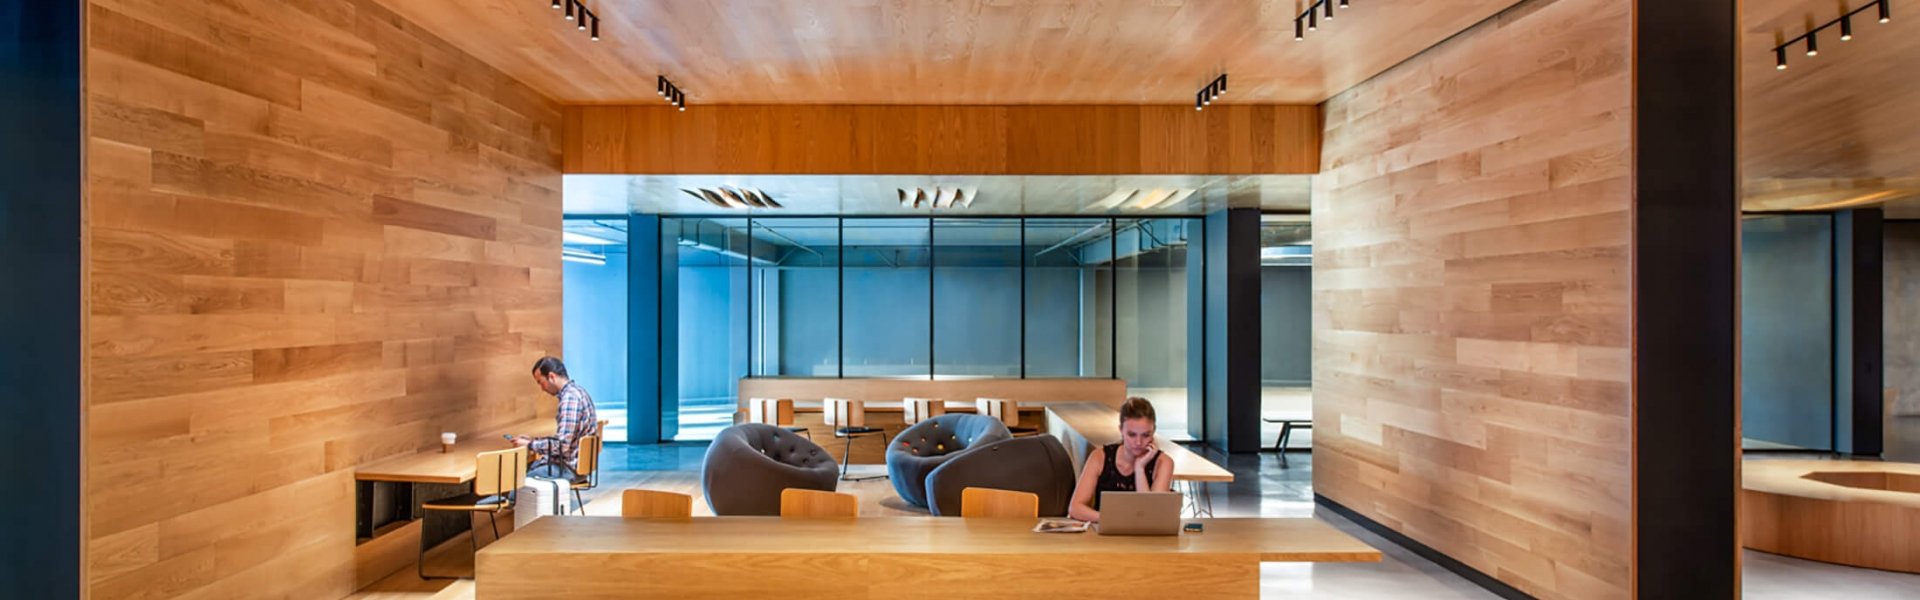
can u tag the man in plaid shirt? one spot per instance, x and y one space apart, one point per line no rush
575 419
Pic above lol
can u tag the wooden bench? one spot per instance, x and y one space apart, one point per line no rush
1864 514
1085 426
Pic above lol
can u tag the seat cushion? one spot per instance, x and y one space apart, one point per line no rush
1037 464
747 466
921 448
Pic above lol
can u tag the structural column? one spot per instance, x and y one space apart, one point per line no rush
1686 299
1859 384
649 336
1232 306
41 379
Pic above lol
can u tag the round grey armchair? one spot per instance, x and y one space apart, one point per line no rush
749 464
926 445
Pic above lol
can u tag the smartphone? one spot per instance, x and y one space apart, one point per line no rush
507 436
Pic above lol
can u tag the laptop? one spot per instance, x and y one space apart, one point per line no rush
1139 513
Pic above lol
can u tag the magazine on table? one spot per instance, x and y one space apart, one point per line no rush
1060 526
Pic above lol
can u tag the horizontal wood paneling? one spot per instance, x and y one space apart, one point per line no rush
976 140
321 238
1471 299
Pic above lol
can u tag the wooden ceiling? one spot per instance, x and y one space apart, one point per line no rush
1838 130
943 51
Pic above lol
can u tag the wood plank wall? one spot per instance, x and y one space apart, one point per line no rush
944 140
320 237
1471 299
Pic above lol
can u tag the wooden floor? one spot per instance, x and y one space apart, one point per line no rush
877 498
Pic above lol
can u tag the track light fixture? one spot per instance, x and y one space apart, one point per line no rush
671 93
1309 19
1812 36
1208 94
583 19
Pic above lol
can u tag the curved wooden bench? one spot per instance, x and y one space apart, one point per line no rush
1864 514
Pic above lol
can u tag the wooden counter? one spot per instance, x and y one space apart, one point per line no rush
454 465
843 559
1084 426
1859 513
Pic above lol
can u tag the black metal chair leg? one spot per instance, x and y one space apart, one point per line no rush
846 458
496 527
420 566
473 535
1286 433
579 504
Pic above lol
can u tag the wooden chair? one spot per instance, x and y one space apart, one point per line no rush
848 418
777 412
650 504
1007 411
586 471
920 409
496 475
989 503
797 503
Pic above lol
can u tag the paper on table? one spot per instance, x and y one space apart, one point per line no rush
1060 526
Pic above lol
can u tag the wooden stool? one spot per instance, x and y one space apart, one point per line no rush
1008 412
848 418
777 412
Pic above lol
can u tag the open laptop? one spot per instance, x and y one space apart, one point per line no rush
1139 513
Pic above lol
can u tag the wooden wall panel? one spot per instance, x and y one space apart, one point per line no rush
322 237
1471 299
960 140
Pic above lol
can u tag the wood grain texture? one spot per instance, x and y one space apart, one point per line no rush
989 503
1864 514
963 52
815 504
1471 299
321 238
944 139
1084 427
735 557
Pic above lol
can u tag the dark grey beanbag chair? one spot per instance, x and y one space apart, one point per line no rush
930 443
1036 464
748 464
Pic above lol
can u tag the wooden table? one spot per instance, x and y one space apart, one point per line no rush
1859 513
453 466
1085 426
890 558
1288 423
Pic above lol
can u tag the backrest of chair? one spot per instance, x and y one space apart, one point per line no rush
600 427
771 411
589 459
652 504
797 503
989 503
499 471
841 412
920 409
1007 411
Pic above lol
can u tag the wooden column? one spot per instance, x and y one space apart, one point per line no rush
41 419
1686 299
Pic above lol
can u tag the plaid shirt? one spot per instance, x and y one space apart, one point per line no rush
575 419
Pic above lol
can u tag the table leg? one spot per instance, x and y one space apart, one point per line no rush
1286 435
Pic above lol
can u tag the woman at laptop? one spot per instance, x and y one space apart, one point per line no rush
1134 465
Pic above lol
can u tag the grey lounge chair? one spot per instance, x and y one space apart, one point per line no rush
926 445
1037 464
749 464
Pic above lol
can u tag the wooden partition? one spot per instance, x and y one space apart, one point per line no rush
1227 139
1471 300
320 238
884 402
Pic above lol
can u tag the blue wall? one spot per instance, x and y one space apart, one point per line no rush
1053 322
40 201
595 328
977 327
1786 329
712 331
886 327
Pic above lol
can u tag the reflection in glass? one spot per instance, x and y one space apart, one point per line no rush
1152 290
1068 300
796 297
708 263
594 301
887 281
976 297
1286 324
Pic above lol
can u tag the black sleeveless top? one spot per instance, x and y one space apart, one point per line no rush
1110 478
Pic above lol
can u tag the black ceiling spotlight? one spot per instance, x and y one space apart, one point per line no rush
1812 36
1213 90
1309 19
584 20
671 93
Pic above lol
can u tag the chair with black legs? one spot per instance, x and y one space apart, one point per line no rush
777 412
495 476
848 418
586 472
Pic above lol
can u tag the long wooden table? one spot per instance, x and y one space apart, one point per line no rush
1086 426
453 466
907 557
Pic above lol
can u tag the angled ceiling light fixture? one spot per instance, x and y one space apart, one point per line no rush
939 198
1309 19
732 198
1113 200
583 18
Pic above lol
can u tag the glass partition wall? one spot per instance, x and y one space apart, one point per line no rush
922 298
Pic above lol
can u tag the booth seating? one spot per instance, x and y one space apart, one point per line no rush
930 443
1039 465
749 464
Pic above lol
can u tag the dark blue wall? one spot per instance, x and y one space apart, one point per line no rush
1786 330
1053 321
595 329
1286 325
712 332
40 381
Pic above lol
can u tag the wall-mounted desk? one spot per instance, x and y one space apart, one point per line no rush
388 494
453 466
908 557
